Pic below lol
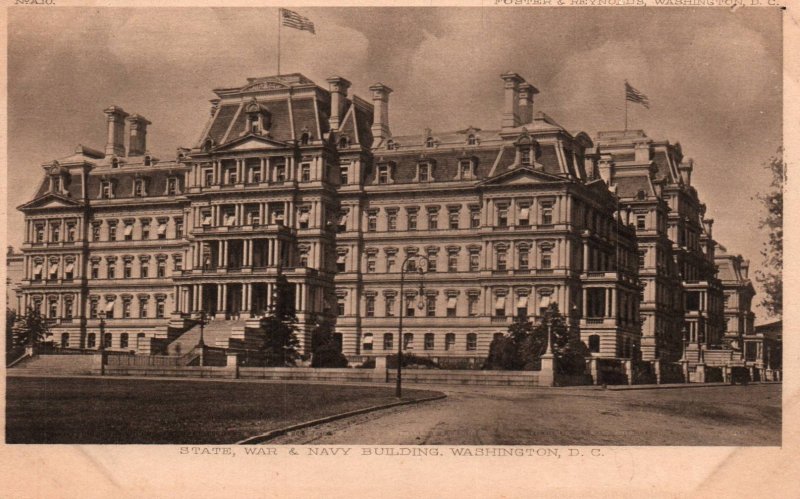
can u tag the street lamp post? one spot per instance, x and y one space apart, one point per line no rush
201 344
421 270
102 339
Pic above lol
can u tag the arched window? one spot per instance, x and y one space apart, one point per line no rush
390 144
123 340
449 341
91 340
343 143
472 341
305 138
114 163
594 343
471 140
148 161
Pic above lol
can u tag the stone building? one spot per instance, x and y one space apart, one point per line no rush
738 299
289 178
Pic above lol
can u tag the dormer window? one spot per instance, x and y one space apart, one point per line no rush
209 177
525 156
385 173
114 162
138 188
280 172
172 186
258 118
106 190
429 142
148 161
391 144
424 172
466 169
472 140
343 143
56 183
305 138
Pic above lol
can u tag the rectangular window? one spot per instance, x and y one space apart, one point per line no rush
126 309
547 215
305 172
430 306
391 220
142 308
466 168
449 341
412 221
372 222
145 230
452 302
343 176
472 305
523 259
474 262
112 271
145 270
178 227
390 261
112 232
371 264
93 309
410 306
280 172
452 261
424 170
370 306
547 260
432 264
95 270
453 219
105 190
172 186
524 216
474 219
388 342
408 341
128 232
340 308
433 220
390 306
95 232
232 176
501 260
472 341
71 233
640 222
160 309
383 174
502 217
161 269
428 341
127 270
138 188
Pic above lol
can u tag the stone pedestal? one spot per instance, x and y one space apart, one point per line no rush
685 370
657 370
629 371
547 374
380 374
701 373
232 364
726 374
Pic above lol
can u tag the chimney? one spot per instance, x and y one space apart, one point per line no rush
641 152
115 144
380 100
685 170
137 143
745 268
338 88
708 223
606 168
511 107
525 105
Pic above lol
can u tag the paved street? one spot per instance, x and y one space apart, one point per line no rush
723 415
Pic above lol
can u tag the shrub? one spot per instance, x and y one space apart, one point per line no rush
328 355
411 360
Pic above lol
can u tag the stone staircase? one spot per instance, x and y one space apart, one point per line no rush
55 364
217 333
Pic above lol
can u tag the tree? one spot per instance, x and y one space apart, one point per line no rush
526 342
325 350
13 350
772 277
280 343
30 329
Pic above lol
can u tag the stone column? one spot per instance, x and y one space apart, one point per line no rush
547 373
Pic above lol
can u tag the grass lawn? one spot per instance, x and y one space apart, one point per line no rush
135 411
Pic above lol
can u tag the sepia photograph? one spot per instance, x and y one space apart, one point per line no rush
410 227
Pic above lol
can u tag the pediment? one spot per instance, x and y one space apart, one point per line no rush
251 142
50 201
522 175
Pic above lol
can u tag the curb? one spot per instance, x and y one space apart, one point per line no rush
619 388
282 431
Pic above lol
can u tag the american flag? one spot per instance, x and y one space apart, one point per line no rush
633 95
294 20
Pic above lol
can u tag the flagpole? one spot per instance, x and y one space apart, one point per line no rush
626 107
279 42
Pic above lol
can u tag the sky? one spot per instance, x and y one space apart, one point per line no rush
713 78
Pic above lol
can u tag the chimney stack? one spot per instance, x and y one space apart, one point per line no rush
338 88
526 93
511 108
685 170
641 152
115 144
708 223
137 143
606 168
745 268
380 100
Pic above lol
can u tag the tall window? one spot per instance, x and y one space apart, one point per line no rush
465 168
408 341
340 307
143 307
126 308
430 306
39 234
433 219
343 175
161 269
424 172
372 221
280 172
428 341
471 140
305 172
370 308
547 214
112 231
391 220
145 270
452 261
500 306
145 229
432 264
474 261
502 216
128 231
472 305
449 341
474 218
71 232
409 306
209 178
68 309
371 264
453 219
525 156
95 272
390 262
172 186
56 233
390 306
160 308
472 341
138 188
640 222
501 259
383 174
127 270
105 190
524 216
123 340
112 270
412 220
388 343
452 302
547 259
178 228
523 258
